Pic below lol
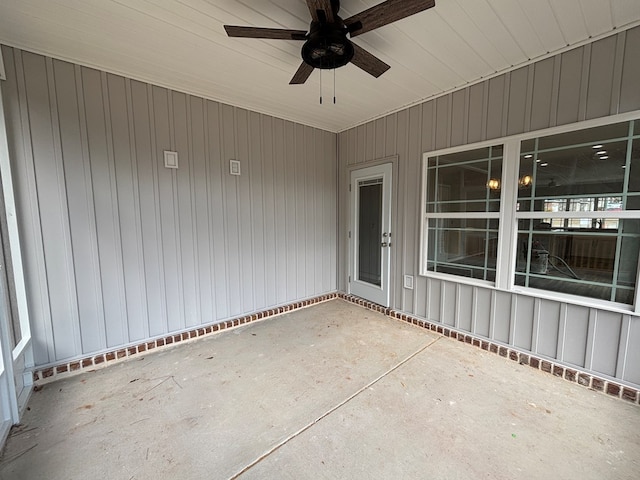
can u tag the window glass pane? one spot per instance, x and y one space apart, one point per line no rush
633 202
466 247
580 171
527 146
636 130
463 157
634 172
465 181
370 232
580 258
588 136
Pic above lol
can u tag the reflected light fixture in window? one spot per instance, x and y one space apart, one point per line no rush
597 146
525 181
493 184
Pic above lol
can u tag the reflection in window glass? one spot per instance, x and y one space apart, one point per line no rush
573 174
578 262
465 182
466 247
588 136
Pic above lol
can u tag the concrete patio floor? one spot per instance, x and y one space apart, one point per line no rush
333 391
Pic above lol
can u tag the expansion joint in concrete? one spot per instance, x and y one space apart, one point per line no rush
333 409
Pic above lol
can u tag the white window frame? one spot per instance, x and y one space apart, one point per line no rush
453 215
508 217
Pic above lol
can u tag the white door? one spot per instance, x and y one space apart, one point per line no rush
370 233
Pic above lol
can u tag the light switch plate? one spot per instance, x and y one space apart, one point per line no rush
234 167
170 159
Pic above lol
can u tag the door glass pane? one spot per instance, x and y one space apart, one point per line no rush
370 231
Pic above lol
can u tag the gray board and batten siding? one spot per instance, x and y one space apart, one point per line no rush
117 248
592 81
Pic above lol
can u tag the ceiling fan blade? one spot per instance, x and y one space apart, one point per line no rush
302 74
368 62
316 6
384 14
271 33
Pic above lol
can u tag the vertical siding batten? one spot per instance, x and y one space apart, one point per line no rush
562 332
584 83
81 207
139 245
623 349
629 91
218 206
555 88
162 324
591 338
618 63
65 263
128 220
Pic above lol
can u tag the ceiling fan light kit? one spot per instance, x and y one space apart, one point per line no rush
327 43
327 47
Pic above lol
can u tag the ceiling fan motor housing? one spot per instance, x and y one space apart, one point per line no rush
327 46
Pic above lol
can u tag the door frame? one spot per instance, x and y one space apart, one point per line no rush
393 160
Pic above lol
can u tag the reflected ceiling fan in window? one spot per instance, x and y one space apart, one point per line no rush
327 44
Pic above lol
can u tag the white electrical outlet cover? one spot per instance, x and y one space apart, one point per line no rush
408 282
234 167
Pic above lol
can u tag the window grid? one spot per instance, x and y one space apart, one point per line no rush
433 224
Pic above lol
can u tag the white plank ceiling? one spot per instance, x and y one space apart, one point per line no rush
182 45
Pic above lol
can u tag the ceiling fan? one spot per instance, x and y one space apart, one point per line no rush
326 44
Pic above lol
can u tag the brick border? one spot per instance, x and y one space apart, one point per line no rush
54 372
50 373
579 377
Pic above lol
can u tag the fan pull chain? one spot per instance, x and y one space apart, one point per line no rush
334 86
320 85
